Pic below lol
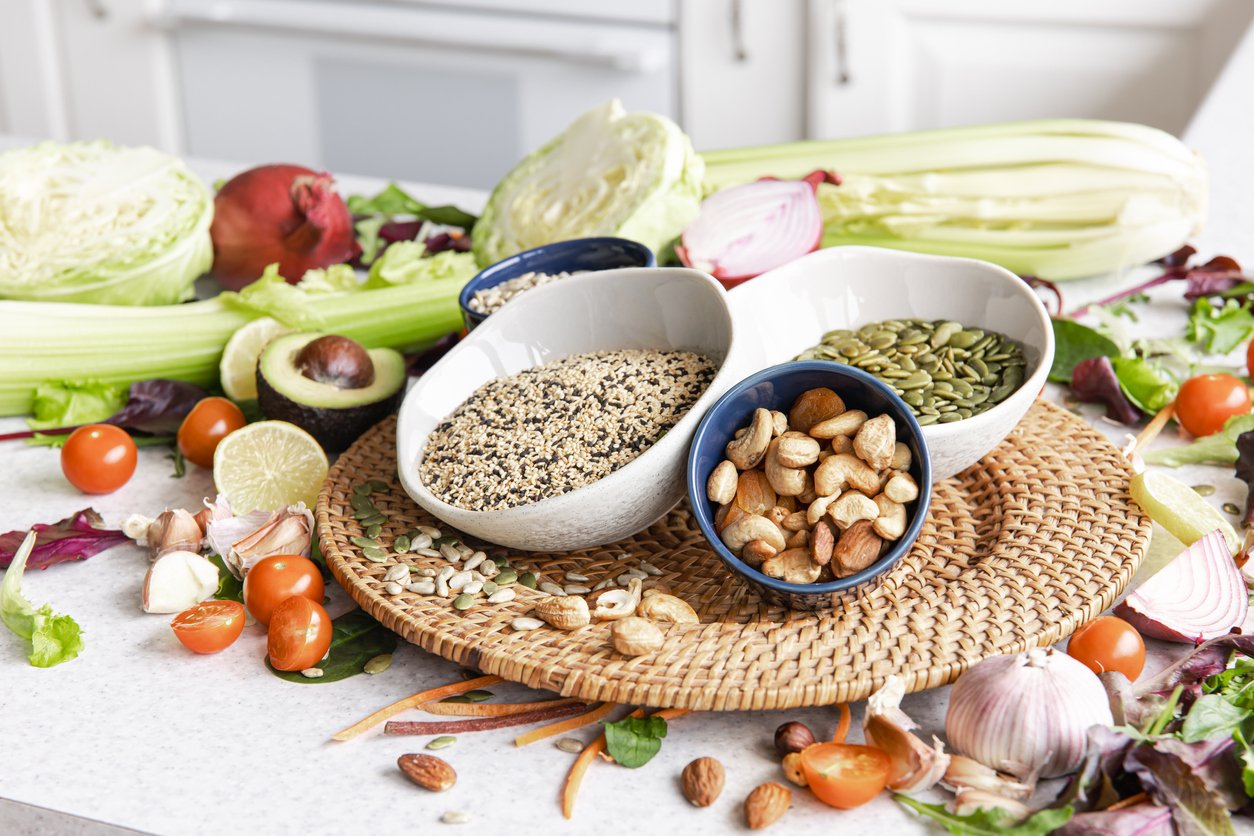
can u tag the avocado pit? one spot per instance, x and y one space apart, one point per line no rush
336 361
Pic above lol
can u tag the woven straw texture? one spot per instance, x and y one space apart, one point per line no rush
1018 551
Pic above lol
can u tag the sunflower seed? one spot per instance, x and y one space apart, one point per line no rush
425 572
489 569
501 596
575 577
425 552
576 589
451 553
552 589
569 744
393 588
422 587
430 531
473 588
311 673
455 817
461 579
397 572
524 624
474 560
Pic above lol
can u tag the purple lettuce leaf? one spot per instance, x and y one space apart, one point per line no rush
1094 381
1216 276
1094 785
1215 762
157 406
73 538
1196 809
1138 820
1208 659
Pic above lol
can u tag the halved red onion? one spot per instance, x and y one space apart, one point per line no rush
1198 596
746 230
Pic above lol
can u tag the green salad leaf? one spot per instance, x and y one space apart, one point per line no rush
1146 385
1220 329
406 262
633 741
989 821
230 588
394 200
1219 448
74 403
356 638
1073 343
53 638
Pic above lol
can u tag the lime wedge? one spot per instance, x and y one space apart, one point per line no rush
1178 508
269 465
238 367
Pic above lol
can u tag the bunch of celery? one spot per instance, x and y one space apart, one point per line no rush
1058 198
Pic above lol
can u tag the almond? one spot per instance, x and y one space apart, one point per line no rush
814 406
428 772
754 493
822 542
766 804
857 548
702 781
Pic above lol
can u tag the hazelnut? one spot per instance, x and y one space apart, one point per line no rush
792 737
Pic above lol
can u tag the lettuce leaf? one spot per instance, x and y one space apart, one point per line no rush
1220 330
73 538
1219 448
68 403
989 822
54 638
1144 384
406 262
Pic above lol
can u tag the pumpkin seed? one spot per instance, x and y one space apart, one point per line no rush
362 490
401 544
375 553
377 486
373 531
506 577
378 664
1204 490
1231 509
527 579
442 742
464 601
363 542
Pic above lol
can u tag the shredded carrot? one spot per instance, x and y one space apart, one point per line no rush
412 701
563 726
574 778
1127 802
488 709
1154 427
842 727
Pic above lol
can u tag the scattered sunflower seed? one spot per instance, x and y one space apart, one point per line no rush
455 817
441 742
552 589
460 580
378 664
650 568
569 744
576 589
429 530
393 588
575 577
524 624
425 572
397 572
474 560
424 551
451 553
423 587
311 673
473 588
501 596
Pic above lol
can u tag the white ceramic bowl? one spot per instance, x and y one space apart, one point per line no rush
668 308
782 313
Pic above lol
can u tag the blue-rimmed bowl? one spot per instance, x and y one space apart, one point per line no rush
776 388
576 256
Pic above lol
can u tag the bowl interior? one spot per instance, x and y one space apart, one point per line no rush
776 388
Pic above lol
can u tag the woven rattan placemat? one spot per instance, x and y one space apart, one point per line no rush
1017 552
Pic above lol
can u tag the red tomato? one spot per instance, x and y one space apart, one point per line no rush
98 458
210 421
300 634
209 626
275 579
1249 357
1205 402
1108 643
845 775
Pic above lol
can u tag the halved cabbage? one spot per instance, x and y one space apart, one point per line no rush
632 175
93 222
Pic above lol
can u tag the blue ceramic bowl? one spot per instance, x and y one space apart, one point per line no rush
777 388
579 255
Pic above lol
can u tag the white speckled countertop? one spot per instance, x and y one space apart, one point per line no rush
139 734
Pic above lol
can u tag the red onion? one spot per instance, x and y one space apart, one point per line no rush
278 213
1198 596
746 230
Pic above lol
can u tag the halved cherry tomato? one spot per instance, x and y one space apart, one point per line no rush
275 579
1108 643
300 634
845 775
1205 402
98 458
210 421
209 626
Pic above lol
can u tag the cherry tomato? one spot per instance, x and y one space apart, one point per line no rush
1249 357
209 626
1205 402
210 421
275 579
300 634
98 458
1108 643
845 775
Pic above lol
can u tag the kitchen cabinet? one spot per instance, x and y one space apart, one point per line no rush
898 65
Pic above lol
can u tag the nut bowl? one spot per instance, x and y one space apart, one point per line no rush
791 307
777 388
658 308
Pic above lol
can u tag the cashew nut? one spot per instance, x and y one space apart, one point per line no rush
842 444
901 488
752 527
614 602
793 566
797 450
809 494
787 481
779 422
845 469
727 515
788 503
846 423
876 441
721 486
852 507
796 521
668 609
819 507
901 457
813 406
754 492
777 515
756 551
797 539
891 522
747 451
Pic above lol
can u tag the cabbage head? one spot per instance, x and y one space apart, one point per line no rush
632 175
93 222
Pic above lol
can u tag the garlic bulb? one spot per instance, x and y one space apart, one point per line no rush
1026 713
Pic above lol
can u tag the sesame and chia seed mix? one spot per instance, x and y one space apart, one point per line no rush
551 429
492 299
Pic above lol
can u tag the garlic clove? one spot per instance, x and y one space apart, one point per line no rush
178 580
173 530
967 802
916 767
136 527
963 773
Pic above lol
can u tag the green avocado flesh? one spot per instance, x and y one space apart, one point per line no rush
334 416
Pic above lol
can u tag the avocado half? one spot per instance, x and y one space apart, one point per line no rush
334 389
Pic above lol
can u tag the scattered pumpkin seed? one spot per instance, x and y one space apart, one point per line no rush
375 553
489 588
501 561
362 490
527 579
440 542
373 531
1231 508
401 544
464 601
363 542
442 742
1204 490
569 744
506 577
378 664
376 485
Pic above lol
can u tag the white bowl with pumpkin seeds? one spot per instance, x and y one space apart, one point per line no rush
648 327
793 307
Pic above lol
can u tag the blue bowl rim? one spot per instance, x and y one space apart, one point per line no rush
483 279
698 500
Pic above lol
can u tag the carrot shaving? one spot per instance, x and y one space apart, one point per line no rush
1127 802
1153 428
413 701
487 709
563 726
842 726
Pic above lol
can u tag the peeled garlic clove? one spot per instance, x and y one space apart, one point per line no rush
964 773
916 767
178 580
136 527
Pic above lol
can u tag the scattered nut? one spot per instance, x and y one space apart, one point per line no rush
858 547
702 781
766 804
842 444
793 566
819 507
850 508
792 736
844 424
792 769
876 441
428 771
613 603
902 488
901 457
635 636
667 609
568 612
822 541
813 407
747 451
891 522
721 486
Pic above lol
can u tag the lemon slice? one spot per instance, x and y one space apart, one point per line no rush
1179 509
269 465
238 367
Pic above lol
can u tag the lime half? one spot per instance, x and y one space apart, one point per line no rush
1178 508
269 465
238 367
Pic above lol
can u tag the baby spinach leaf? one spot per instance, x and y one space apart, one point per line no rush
633 741
356 638
1211 716
1073 343
989 821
